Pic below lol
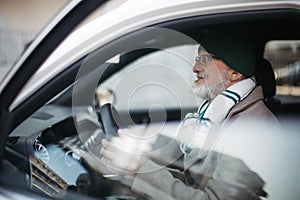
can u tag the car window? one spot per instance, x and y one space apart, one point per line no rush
159 79
284 55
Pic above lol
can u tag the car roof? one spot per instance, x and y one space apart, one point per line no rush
133 15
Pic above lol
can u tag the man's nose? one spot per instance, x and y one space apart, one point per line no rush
197 67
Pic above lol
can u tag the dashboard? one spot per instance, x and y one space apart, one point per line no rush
44 147
45 150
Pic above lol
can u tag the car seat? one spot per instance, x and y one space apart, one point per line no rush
266 78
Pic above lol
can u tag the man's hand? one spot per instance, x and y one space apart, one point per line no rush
125 154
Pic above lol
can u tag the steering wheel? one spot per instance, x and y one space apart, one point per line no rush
106 114
109 118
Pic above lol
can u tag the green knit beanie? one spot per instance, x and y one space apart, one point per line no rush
237 53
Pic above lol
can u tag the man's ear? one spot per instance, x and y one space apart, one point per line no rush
236 76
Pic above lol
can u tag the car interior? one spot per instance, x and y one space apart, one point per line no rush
40 150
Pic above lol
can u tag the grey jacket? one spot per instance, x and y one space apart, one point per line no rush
209 174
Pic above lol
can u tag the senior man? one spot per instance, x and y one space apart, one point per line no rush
224 69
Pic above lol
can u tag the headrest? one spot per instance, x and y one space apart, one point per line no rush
265 77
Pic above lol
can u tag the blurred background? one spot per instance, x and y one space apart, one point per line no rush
21 21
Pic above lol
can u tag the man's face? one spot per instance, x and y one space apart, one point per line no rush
212 76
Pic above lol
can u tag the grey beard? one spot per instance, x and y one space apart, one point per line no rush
201 91
206 92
